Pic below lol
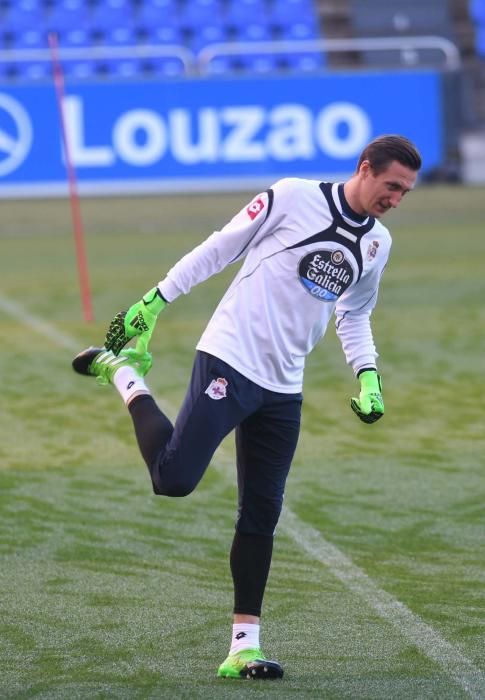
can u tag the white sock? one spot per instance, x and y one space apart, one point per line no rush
128 383
244 636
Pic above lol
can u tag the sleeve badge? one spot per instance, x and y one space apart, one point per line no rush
372 250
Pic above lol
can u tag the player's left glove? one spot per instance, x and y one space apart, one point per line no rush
139 320
369 406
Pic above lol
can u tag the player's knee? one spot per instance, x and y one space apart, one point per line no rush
260 517
174 489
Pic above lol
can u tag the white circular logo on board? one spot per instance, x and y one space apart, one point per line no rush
15 134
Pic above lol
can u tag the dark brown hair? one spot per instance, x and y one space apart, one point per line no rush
384 149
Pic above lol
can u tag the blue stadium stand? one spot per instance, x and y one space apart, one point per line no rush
238 12
23 15
191 24
210 33
160 33
21 24
254 31
166 66
260 21
480 41
477 13
69 19
196 13
110 16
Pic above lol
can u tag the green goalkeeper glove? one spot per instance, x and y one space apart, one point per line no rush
369 406
139 320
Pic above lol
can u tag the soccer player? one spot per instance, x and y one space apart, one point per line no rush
311 249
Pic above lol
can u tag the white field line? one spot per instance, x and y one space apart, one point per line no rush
22 316
416 631
410 625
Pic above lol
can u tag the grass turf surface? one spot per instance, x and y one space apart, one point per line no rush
109 592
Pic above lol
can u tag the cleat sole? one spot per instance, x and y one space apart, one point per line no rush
83 360
262 670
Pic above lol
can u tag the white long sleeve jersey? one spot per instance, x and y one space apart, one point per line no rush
306 257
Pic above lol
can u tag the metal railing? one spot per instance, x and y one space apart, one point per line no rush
199 64
448 50
140 51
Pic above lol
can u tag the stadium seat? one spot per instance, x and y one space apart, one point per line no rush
154 13
79 70
240 11
306 62
477 11
156 9
220 65
32 70
297 31
292 11
111 15
5 71
295 20
258 63
67 15
480 41
24 15
20 20
158 22
124 68
120 36
160 34
69 19
29 39
102 69
196 13
209 34
166 67
254 31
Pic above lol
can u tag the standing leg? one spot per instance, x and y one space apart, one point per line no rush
266 442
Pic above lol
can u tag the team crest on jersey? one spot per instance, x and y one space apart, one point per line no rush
256 206
217 389
325 274
372 250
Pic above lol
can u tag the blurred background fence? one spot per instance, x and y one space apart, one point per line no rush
170 95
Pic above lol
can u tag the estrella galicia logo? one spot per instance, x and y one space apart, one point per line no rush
15 134
325 274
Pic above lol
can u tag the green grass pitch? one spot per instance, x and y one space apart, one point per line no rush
377 586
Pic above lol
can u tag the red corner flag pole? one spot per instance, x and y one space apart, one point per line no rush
73 190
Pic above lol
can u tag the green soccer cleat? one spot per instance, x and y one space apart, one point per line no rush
102 363
251 664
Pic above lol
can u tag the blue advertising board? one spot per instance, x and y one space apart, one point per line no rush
212 133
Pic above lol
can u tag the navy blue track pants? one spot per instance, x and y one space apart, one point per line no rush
218 400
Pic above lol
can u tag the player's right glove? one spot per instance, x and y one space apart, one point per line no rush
370 405
139 320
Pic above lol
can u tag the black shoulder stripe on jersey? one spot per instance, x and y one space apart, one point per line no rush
270 194
357 230
352 242
347 209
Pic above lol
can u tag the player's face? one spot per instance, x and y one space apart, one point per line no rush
382 192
